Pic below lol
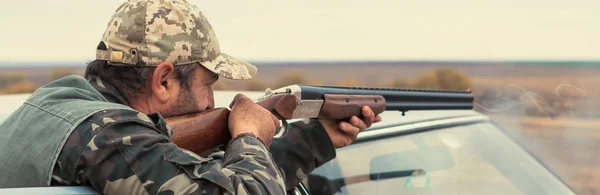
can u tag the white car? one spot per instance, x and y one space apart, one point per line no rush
424 152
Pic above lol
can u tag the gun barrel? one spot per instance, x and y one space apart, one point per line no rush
398 98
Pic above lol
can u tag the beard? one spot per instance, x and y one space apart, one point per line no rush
184 105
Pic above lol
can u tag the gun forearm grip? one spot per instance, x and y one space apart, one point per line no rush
340 106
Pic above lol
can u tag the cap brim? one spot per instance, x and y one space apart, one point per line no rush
231 68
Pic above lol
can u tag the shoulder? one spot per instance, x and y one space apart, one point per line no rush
107 117
123 119
99 132
116 122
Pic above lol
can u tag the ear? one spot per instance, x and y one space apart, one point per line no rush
163 87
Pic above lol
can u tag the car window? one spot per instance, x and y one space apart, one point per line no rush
471 159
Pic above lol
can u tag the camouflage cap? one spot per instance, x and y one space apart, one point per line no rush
149 32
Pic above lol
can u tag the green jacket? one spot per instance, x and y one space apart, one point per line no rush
33 136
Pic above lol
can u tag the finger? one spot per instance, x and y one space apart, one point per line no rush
234 101
276 121
368 116
358 123
377 119
349 129
239 97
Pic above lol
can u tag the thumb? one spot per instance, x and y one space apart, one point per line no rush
238 99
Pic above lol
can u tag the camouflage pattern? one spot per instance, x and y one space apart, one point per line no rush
149 32
304 147
127 152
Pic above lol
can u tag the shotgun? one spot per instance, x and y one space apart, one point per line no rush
200 132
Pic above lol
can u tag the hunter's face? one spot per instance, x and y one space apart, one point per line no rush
201 90
171 99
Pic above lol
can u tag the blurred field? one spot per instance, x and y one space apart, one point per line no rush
551 108
569 147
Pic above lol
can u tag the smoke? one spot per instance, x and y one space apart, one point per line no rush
558 126
505 103
525 100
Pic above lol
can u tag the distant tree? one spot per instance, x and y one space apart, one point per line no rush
313 82
220 85
290 78
58 73
427 81
371 80
255 84
443 78
348 82
400 83
8 79
19 87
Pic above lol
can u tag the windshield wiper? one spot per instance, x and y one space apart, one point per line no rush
320 185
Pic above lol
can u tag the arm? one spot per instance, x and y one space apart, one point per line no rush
304 147
311 143
120 153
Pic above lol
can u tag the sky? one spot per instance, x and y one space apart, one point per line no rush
270 30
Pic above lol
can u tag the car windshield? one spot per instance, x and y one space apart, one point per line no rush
472 159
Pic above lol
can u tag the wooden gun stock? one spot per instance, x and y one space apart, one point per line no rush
199 132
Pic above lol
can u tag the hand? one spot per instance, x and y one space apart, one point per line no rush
248 117
343 133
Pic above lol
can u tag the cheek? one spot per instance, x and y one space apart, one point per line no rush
204 98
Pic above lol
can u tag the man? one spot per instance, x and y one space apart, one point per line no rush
158 59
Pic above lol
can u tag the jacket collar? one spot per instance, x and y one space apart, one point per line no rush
109 91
